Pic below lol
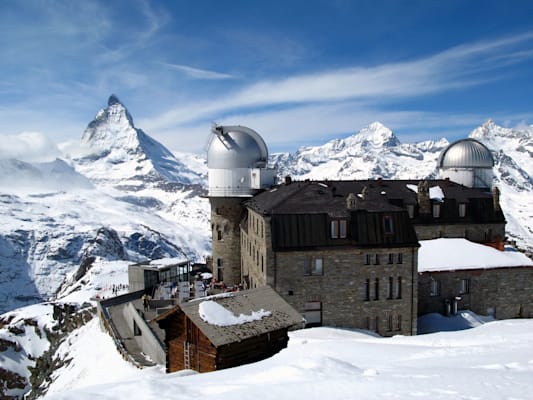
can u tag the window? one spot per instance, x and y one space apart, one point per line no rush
399 287
400 258
376 259
389 323
391 258
465 286
411 210
372 323
220 269
313 266
342 228
136 330
318 267
436 210
367 290
398 322
390 288
434 287
367 259
313 313
387 225
307 266
219 234
376 289
338 229
462 210
334 229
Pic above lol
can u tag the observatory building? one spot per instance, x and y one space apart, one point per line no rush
345 253
237 159
467 162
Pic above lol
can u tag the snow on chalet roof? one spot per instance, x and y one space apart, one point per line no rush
237 316
215 314
458 254
435 192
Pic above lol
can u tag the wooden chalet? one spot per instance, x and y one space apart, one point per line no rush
193 343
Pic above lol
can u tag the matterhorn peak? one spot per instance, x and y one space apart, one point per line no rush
112 127
113 99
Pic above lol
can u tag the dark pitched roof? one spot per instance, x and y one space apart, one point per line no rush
242 302
322 196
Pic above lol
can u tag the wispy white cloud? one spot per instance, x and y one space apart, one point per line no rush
28 146
198 73
452 69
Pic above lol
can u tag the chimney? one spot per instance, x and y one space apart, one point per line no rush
424 202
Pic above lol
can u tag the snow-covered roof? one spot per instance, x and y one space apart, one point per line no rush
240 315
215 314
459 254
168 262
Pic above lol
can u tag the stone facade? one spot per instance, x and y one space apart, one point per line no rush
343 291
501 292
480 233
226 214
256 254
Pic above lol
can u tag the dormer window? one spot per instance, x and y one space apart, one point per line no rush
388 226
462 210
338 229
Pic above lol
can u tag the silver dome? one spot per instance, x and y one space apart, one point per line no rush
466 153
236 147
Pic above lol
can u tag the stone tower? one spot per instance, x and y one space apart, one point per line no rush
237 169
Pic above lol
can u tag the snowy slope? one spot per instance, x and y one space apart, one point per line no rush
492 361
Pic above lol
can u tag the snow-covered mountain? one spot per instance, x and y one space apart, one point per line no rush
371 153
119 155
125 197
376 152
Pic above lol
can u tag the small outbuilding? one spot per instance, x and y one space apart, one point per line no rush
456 274
227 330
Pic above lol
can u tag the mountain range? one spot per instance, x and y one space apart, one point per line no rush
125 196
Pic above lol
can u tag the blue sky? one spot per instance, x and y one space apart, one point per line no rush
298 72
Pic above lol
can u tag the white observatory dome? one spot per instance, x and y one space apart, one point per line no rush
467 162
237 160
466 153
236 147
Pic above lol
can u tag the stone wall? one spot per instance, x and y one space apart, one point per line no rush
226 214
255 243
473 232
501 292
345 290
